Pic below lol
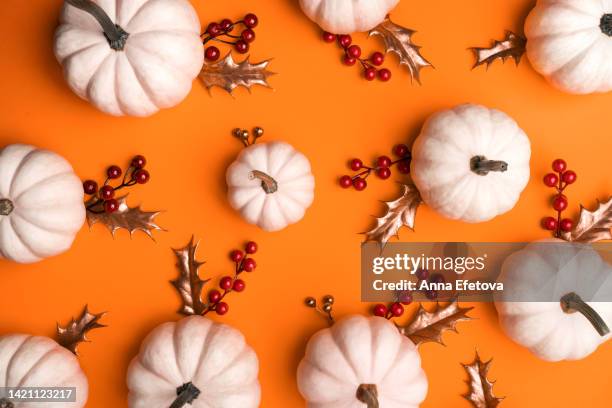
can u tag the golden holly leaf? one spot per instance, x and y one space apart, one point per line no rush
228 74
512 46
481 388
592 226
127 218
425 327
400 212
76 331
188 283
398 39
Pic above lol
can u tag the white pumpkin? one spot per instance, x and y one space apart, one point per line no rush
41 204
271 184
347 16
194 361
361 361
471 163
32 361
570 43
556 299
134 58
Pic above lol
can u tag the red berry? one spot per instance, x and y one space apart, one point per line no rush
383 172
212 53
250 247
213 29
566 225
107 192
359 183
141 176
405 298
241 46
226 25
348 60
328 37
221 308
551 179
139 161
239 285
404 167
214 296
370 73
422 274
569 177
354 51
397 309
356 164
345 40
236 255
251 20
110 206
383 161
437 278
384 75
90 187
377 58
431 294
249 265
559 202
226 283
248 35
401 150
559 165
549 223
380 310
346 181
113 172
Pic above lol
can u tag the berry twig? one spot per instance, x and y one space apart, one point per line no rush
382 167
325 310
248 138
559 180
352 54
221 32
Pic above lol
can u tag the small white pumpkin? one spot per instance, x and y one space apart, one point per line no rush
471 163
32 361
347 16
41 204
361 361
570 43
134 57
194 361
556 299
271 184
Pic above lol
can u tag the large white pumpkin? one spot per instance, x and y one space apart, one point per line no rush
570 43
194 361
471 163
361 361
556 300
41 204
271 184
347 16
32 361
144 59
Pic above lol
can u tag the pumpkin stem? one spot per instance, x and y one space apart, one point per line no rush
481 166
268 184
4 403
368 394
186 394
116 36
6 207
605 24
572 303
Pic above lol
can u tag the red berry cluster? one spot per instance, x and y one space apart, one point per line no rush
352 54
229 284
222 32
106 201
382 167
559 180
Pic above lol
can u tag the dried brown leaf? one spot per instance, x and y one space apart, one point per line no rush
127 218
400 212
425 327
76 331
512 46
188 283
228 74
481 388
592 226
398 39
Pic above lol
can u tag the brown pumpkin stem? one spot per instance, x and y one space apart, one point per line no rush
268 184
186 394
368 394
116 36
6 207
572 303
4 403
481 166
605 24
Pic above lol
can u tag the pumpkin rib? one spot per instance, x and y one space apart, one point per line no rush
145 86
135 13
24 159
22 241
18 214
42 181
162 62
36 365
575 58
71 27
11 360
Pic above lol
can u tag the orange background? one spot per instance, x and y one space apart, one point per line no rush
328 112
